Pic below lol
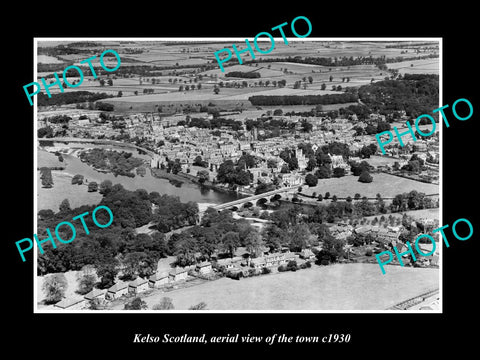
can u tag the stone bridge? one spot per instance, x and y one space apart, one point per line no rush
250 199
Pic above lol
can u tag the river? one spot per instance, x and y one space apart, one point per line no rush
78 195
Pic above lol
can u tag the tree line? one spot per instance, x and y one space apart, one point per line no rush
70 98
266 100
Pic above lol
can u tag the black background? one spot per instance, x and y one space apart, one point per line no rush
112 334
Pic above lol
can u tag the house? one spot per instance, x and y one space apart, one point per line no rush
71 304
228 263
274 259
258 263
204 267
138 285
177 274
117 290
95 294
289 256
158 279
307 254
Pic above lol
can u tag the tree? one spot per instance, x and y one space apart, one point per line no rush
323 172
107 271
306 126
110 82
365 177
323 87
310 79
357 196
105 187
327 195
311 164
230 242
216 90
102 82
54 287
165 303
135 304
65 206
338 172
92 187
311 180
203 175
77 179
299 237
86 283
320 197
253 243
120 94
46 176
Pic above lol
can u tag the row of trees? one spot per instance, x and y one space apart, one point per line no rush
272 100
243 74
70 98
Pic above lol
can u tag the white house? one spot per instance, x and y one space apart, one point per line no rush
307 254
177 274
117 290
158 279
204 267
138 285
95 294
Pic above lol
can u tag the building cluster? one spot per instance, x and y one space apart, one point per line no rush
132 288
172 141
161 279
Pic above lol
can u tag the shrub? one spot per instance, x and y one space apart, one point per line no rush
77 179
266 270
369 252
365 177
292 266
282 268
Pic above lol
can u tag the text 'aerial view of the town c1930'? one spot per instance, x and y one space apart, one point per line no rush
260 188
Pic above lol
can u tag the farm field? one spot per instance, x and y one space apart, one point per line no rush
62 188
335 287
387 185
416 214
426 66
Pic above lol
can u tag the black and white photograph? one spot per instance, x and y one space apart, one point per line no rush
252 186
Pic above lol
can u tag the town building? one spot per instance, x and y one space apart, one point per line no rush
204 267
117 290
158 279
177 274
137 286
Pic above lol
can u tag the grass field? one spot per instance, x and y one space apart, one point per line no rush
335 287
426 66
385 184
416 214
